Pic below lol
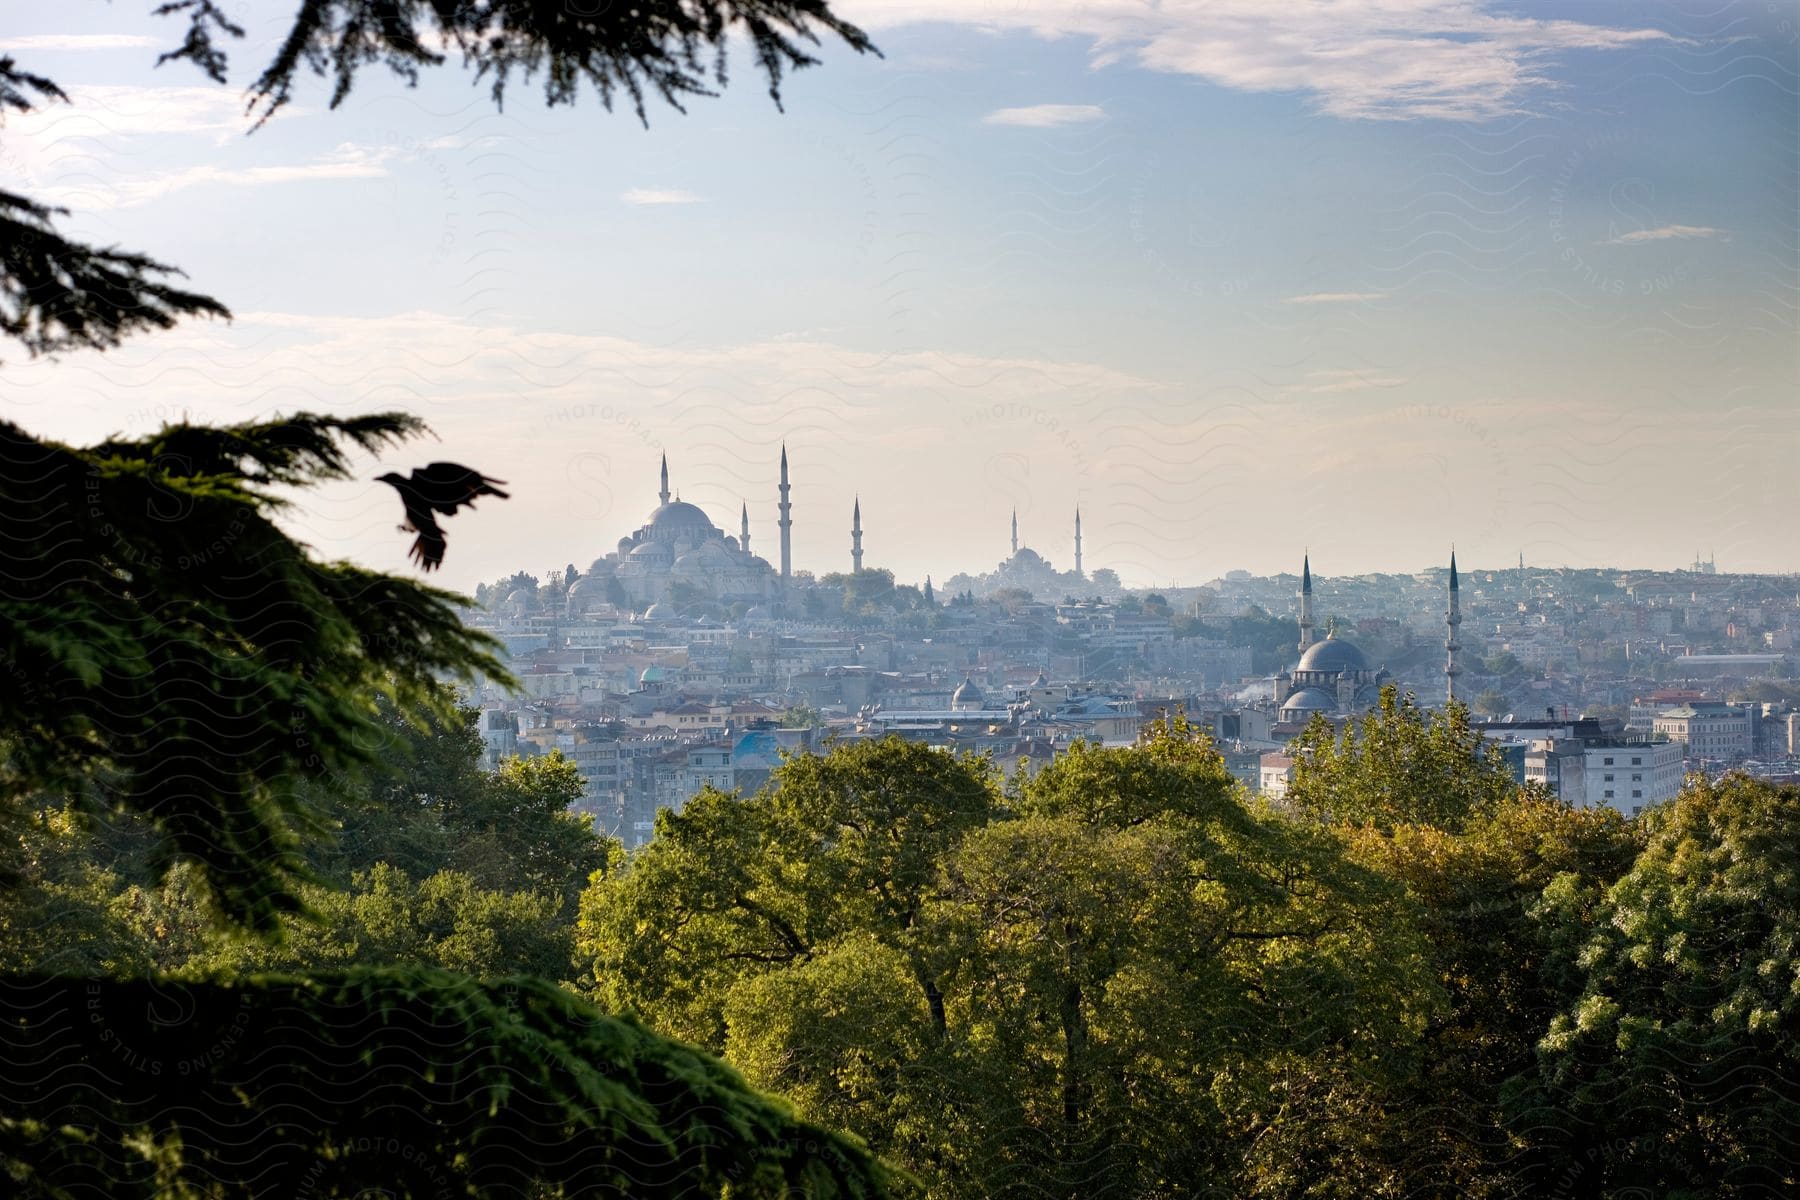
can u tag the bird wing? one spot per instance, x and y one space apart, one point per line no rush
449 486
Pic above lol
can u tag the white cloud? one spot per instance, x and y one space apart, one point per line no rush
1334 297
114 111
348 161
1368 59
1045 116
78 41
659 196
1323 382
1663 233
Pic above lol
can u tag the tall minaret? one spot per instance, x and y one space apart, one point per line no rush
1452 618
665 477
744 537
1306 617
856 536
786 522
1078 541
1015 531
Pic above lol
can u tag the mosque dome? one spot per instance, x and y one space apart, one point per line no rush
625 545
600 567
650 550
1333 655
679 517
756 612
525 598
658 612
1306 701
966 693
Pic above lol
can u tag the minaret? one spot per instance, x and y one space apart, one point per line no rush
1306 617
1452 618
665 479
856 536
1078 542
744 537
786 522
1016 531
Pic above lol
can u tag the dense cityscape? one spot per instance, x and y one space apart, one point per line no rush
682 659
899 600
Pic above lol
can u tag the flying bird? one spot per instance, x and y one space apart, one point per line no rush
442 487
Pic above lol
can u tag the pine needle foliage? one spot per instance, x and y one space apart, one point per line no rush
171 652
404 1082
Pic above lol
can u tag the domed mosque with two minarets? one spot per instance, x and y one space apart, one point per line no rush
1334 678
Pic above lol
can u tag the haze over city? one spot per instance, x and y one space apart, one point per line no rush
1514 284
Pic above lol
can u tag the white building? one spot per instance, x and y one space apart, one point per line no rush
1708 729
1625 773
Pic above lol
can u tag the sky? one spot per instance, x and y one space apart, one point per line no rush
1360 278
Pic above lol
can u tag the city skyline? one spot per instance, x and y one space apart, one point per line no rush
1529 290
1052 548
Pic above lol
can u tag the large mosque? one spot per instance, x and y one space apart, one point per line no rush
679 551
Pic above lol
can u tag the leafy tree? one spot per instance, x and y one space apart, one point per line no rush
1501 970
802 717
732 887
1492 703
1398 764
1503 663
1673 1067
1087 986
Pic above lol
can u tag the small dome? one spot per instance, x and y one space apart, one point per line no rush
653 675
966 693
524 599
650 550
1042 681
1333 655
657 612
600 566
625 545
1308 700
756 612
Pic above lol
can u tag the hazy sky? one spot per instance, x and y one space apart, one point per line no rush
1239 278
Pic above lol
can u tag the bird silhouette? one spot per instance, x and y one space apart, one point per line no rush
442 487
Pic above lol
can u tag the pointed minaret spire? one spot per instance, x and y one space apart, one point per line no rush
1015 531
786 522
1078 542
1452 646
665 478
856 535
744 536
1306 613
